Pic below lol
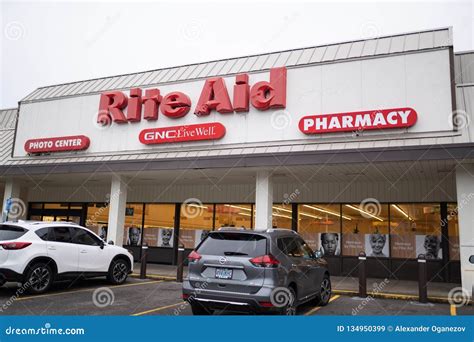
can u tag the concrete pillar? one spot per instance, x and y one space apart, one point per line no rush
263 200
465 203
118 201
16 209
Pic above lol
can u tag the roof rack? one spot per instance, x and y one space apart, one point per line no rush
231 228
269 230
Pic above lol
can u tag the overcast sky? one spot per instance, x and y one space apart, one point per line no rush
45 43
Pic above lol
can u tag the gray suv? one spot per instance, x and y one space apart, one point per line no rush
270 271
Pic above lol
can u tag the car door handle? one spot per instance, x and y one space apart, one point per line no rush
51 248
83 251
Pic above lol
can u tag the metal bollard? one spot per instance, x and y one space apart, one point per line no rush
143 261
179 271
362 275
422 279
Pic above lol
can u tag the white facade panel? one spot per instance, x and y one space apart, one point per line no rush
420 81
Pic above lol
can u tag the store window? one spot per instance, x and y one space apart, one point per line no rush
233 215
159 222
453 231
365 228
97 218
281 216
415 229
320 226
56 205
133 229
196 221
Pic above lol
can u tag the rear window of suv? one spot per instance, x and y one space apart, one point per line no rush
234 244
8 232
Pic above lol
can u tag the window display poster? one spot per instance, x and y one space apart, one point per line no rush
377 245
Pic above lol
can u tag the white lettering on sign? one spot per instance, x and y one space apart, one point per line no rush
369 120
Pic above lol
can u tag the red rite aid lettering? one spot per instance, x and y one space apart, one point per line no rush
57 144
207 131
214 96
367 120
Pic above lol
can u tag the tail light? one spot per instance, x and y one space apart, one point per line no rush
185 296
15 245
265 261
194 256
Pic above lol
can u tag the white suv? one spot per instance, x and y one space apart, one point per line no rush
38 253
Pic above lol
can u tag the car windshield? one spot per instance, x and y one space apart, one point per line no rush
233 244
8 232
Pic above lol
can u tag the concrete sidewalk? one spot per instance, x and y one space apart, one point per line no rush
389 288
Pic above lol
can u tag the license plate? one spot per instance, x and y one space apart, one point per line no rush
223 273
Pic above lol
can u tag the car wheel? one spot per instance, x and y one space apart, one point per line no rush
39 278
290 308
118 272
200 310
324 292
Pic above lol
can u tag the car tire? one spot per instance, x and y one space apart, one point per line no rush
200 310
118 271
325 292
290 308
38 278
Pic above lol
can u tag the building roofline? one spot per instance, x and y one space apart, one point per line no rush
449 28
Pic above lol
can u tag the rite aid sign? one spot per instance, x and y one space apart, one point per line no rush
395 93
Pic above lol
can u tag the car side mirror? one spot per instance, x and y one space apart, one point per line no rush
111 242
318 254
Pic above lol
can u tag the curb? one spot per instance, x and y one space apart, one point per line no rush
155 276
382 295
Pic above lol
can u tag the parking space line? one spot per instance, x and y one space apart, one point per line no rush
313 310
158 309
452 310
85 290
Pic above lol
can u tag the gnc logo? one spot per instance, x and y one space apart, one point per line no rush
214 96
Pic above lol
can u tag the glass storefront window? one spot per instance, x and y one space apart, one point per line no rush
132 231
453 231
196 221
97 218
319 225
365 229
233 215
159 222
281 216
415 229
56 205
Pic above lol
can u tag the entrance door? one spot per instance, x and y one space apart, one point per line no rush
66 212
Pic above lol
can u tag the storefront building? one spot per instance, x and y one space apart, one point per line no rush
362 146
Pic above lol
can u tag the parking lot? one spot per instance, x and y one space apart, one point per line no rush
157 297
